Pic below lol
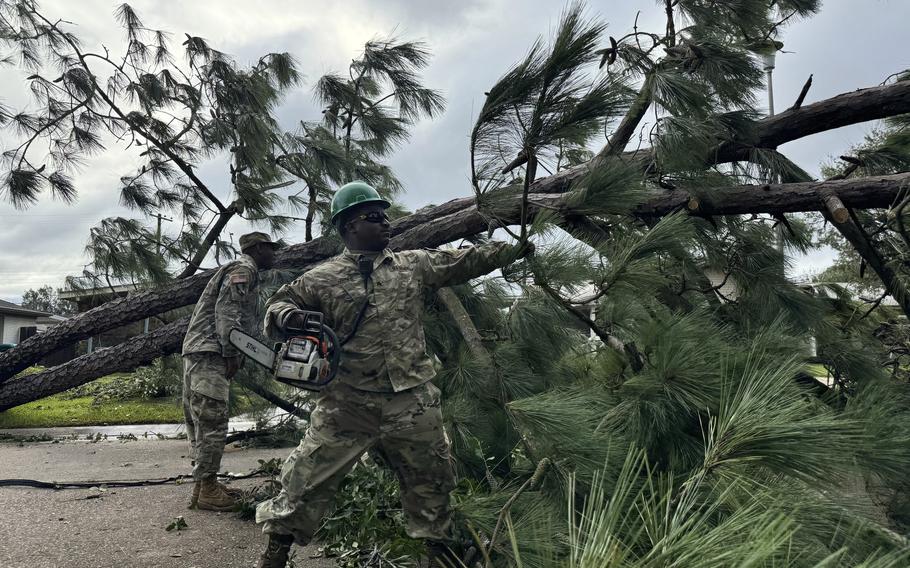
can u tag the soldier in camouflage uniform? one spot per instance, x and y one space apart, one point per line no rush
382 396
210 362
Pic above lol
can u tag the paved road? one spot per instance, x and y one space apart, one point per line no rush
122 527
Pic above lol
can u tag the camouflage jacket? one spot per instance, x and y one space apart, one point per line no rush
228 301
388 353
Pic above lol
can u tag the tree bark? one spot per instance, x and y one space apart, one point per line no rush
461 218
856 193
465 325
140 350
139 305
629 124
133 353
877 192
862 105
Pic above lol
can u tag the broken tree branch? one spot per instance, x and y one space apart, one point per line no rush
836 208
627 351
276 400
461 222
855 164
878 192
465 325
802 94
852 231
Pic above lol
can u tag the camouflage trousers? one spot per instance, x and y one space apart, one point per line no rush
206 416
406 427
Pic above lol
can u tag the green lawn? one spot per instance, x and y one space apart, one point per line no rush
58 411
116 405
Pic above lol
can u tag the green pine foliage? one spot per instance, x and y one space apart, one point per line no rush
644 396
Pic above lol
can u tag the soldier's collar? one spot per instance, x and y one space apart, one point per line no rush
380 256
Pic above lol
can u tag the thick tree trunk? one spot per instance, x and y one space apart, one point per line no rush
136 306
857 193
461 219
133 353
862 105
138 351
877 192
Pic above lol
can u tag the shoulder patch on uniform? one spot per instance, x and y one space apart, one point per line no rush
238 278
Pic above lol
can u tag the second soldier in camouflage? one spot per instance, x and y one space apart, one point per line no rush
210 362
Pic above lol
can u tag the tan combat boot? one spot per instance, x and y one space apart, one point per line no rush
213 498
277 551
232 491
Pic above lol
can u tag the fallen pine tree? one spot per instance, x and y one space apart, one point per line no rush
420 229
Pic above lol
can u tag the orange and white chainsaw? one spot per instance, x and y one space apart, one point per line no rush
308 359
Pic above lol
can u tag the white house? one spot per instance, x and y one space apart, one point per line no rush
17 322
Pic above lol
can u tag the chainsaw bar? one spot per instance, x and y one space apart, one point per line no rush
253 348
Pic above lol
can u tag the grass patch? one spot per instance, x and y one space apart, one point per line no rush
817 370
148 395
59 411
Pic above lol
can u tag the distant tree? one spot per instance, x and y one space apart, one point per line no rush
179 112
45 299
366 114
175 114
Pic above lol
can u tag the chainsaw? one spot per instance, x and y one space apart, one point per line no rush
307 360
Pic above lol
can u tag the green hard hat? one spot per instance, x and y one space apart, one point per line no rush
353 194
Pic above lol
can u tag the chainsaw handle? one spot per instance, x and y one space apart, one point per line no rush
312 323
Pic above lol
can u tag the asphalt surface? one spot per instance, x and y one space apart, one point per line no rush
123 527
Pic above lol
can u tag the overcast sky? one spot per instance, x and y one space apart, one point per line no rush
851 44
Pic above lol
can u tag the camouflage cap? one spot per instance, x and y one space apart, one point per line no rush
250 239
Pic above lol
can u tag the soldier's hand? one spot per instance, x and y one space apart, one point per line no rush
298 320
231 366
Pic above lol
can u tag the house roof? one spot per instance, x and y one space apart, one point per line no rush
12 309
102 292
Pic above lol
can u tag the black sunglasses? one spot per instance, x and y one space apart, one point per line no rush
371 217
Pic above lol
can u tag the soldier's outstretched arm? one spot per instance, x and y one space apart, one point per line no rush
237 291
288 300
447 267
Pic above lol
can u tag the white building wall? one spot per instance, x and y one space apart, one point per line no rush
11 325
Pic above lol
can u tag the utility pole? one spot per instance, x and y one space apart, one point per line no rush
160 218
768 61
